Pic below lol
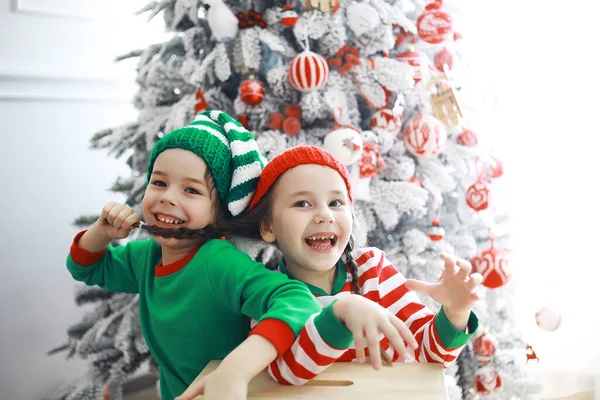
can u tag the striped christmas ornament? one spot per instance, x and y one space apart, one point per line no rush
229 150
492 264
308 71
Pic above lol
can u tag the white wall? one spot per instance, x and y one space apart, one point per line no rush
58 86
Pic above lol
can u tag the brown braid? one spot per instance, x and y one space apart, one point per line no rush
209 232
354 272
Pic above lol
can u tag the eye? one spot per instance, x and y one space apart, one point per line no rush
336 203
159 183
302 204
192 191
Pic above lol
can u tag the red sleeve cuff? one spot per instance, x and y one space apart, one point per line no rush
277 332
82 256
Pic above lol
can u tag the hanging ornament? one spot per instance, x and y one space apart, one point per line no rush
344 59
243 118
531 354
291 126
308 71
478 195
489 168
361 18
484 347
424 135
443 57
250 20
487 380
252 91
201 103
221 20
434 25
370 163
492 264
388 120
467 138
289 16
436 231
345 144
418 61
275 121
547 319
444 101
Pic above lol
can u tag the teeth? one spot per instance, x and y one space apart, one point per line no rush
321 237
169 220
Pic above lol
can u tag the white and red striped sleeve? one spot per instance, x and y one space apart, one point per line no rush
320 343
438 340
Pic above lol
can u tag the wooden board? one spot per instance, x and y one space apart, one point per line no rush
354 381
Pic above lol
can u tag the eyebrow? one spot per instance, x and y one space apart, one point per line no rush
193 180
307 193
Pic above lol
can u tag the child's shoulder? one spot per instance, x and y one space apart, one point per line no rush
363 254
223 249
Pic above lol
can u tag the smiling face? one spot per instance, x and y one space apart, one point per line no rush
310 219
179 195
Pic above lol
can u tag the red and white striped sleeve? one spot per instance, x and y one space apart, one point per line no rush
320 343
438 340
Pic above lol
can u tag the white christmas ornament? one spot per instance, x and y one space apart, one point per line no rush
547 319
388 120
424 135
222 21
345 144
361 18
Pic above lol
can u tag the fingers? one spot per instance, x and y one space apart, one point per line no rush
464 269
195 389
131 220
116 214
372 336
359 344
420 286
449 263
395 336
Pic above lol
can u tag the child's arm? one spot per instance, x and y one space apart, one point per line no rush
92 261
230 380
438 337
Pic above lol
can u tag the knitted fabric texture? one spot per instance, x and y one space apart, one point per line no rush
292 158
229 150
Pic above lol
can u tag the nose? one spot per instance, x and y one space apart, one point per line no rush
168 197
324 215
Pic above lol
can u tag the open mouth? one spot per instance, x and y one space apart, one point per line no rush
321 242
168 219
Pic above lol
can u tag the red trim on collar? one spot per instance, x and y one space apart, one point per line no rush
164 270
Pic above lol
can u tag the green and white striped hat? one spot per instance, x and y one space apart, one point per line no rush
228 149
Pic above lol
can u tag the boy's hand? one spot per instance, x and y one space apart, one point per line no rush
366 320
456 291
217 385
117 220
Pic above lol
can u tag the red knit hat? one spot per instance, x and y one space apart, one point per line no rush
292 158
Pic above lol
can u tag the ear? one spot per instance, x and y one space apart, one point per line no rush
266 231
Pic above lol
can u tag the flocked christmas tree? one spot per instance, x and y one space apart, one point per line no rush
374 82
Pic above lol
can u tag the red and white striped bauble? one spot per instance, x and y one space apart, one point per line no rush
487 380
436 231
478 195
492 264
308 71
386 119
289 16
485 346
424 135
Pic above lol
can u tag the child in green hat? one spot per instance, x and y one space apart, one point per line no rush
196 295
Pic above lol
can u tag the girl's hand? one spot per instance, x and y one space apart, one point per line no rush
217 386
117 220
456 290
366 320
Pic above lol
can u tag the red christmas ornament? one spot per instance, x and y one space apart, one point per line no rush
493 265
370 161
201 103
289 16
487 380
293 110
252 92
243 120
424 135
489 168
416 181
416 60
275 121
478 195
308 71
291 126
467 138
443 57
436 231
485 347
434 25
386 119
